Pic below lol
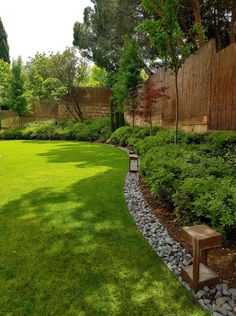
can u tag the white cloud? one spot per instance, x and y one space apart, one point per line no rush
40 25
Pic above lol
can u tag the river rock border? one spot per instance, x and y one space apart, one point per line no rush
221 299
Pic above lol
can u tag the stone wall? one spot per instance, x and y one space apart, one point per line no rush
94 103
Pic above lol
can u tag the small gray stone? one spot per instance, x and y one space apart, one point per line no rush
216 314
220 301
219 287
214 307
231 303
233 292
169 241
227 307
226 292
223 311
225 286
200 294
218 294
207 301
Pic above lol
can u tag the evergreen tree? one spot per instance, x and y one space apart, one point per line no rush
4 48
17 99
127 79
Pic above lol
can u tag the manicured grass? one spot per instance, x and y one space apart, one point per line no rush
68 245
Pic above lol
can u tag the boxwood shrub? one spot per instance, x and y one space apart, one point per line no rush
196 178
89 130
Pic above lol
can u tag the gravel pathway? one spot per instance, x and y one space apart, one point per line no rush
221 299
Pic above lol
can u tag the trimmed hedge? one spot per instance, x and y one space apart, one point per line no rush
89 130
196 178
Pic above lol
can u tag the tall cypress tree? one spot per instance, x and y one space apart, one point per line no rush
4 48
17 99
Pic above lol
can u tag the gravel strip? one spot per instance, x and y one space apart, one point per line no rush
221 299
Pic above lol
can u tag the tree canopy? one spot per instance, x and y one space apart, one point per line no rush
97 77
4 48
5 73
106 24
127 79
16 98
51 78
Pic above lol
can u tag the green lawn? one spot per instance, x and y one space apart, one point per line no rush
68 244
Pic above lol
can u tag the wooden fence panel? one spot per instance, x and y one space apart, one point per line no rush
207 91
223 103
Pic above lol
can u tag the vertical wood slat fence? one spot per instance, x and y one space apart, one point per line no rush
207 88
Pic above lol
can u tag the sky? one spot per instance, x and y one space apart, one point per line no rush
40 25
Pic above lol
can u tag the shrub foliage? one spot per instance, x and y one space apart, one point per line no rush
196 179
89 130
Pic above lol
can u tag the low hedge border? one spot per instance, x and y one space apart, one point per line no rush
196 178
88 130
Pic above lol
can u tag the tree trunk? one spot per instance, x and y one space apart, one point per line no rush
217 35
71 112
177 107
72 99
21 121
198 19
186 29
233 24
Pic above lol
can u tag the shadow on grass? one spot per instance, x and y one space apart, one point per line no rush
90 155
78 252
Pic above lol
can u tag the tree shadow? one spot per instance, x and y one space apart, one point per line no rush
78 252
68 152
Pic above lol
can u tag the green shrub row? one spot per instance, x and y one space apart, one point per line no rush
196 178
89 130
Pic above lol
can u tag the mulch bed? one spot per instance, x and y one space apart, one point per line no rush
222 260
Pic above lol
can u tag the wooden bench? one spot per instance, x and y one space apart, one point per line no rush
202 238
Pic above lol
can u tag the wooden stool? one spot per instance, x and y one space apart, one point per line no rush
202 238
133 157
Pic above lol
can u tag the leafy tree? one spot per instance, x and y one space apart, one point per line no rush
102 35
219 18
127 79
4 85
202 20
147 99
17 100
97 77
131 106
56 77
4 48
168 39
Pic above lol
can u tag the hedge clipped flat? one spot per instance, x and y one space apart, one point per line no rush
68 243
